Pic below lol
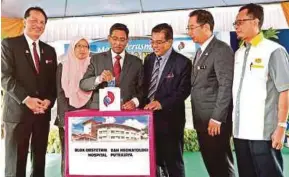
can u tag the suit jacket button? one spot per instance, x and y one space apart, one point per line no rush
37 93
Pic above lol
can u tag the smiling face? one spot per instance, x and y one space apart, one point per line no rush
197 31
159 43
81 49
118 41
34 24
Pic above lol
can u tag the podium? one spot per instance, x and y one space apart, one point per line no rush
109 143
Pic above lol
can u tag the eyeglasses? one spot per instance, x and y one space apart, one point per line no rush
115 39
241 22
159 42
190 28
79 46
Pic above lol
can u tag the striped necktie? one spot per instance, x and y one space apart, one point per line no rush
154 79
198 56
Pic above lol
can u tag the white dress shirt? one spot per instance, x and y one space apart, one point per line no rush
30 45
113 55
205 44
30 41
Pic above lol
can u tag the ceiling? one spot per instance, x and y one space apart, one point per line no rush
73 8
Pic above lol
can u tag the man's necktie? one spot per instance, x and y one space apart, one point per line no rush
154 79
36 58
198 56
117 69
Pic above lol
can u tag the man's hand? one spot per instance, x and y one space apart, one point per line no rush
278 138
214 128
129 105
46 103
106 76
154 105
35 105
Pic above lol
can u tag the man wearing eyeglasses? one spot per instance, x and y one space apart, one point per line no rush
211 94
260 97
166 86
117 66
28 75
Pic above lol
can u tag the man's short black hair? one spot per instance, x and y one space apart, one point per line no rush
119 26
166 29
256 11
39 9
204 17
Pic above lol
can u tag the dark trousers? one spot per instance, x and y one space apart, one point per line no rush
258 159
61 136
169 153
217 154
17 138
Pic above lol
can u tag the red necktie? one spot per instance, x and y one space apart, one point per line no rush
117 69
36 58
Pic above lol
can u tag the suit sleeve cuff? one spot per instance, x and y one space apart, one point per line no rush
97 81
136 102
216 121
23 102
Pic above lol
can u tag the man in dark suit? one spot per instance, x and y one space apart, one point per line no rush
211 94
28 79
118 66
166 86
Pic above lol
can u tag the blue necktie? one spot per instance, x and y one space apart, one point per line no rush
154 79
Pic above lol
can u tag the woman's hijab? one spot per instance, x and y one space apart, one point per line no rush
72 72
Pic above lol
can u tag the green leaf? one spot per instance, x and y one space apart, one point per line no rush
53 141
191 143
268 34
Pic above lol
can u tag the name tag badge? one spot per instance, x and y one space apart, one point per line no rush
257 66
201 67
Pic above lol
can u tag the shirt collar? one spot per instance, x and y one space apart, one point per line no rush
167 54
30 41
206 43
255 41
113 54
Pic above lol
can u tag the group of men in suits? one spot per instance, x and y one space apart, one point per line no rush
161 84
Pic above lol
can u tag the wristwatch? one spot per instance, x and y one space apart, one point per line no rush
282 124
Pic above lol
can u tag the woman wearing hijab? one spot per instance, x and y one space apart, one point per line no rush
69 96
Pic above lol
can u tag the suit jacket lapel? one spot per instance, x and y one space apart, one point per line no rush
28 54
167 68
125 67
151 64
42 58
108 61
203 58
206 53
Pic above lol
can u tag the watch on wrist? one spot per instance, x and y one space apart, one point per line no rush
282 124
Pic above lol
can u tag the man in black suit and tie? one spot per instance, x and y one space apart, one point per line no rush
166 86
117 66
28 79
211 95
